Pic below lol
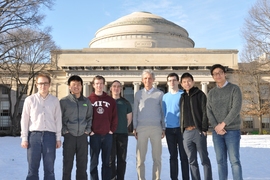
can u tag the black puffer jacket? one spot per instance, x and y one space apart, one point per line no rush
198 109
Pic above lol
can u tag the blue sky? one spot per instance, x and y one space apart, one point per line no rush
212 24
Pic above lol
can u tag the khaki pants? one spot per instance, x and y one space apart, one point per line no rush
154 134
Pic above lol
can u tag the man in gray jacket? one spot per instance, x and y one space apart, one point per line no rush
76 126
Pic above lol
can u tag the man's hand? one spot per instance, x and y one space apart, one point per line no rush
135 133
163 134
220 128
204 133
58 144
24 144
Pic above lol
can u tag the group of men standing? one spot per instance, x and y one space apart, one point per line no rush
181 116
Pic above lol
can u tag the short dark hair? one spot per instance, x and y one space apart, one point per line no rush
172 75
75 78
187 75
98 77
217 66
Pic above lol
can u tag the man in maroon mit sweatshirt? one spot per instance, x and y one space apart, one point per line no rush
104 123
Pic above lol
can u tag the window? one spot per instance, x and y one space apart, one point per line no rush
5 90
4 105
265 121
248 122
4 114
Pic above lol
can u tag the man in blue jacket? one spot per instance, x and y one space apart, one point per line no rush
174 137
76 126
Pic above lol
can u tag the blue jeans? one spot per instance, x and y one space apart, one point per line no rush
228 143
195 141
175 145
41 143
100 142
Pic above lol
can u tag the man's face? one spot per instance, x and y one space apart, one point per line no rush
187 83
219 76
43 85
98 85
147 80
116 88
172 82
75 87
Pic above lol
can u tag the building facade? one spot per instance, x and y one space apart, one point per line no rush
140 40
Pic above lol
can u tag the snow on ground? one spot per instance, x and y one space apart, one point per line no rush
255 158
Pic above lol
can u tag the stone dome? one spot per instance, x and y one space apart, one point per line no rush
141 30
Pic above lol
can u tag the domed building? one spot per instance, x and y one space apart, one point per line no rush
141 30
123 48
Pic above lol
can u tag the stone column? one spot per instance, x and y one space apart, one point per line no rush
105 89
90 88
68 91
122 88
136 86
155 84
86 89
204 87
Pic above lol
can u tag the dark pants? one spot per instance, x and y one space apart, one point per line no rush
175 145
195 141
119 152
103 143
43 144
75 146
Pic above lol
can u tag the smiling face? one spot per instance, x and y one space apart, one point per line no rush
219 76
187 83
98 86
147 80
75 88
116 89
172 82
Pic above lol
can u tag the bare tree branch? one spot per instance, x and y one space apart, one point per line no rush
27 56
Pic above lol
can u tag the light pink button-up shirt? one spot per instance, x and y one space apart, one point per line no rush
41 114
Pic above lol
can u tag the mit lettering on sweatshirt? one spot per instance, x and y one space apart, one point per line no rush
104 113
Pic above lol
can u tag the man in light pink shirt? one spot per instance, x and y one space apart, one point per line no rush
41 125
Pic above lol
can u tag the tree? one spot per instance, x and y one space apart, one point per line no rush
22 63
15 14
255 62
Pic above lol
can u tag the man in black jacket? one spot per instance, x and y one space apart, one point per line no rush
194 123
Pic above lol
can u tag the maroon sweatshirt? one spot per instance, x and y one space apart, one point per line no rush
105 117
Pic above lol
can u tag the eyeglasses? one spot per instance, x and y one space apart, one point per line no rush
44 84
218 74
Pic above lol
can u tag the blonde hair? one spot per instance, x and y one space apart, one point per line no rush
43 75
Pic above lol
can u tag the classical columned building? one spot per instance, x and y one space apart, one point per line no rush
141 40
122 49
127 64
